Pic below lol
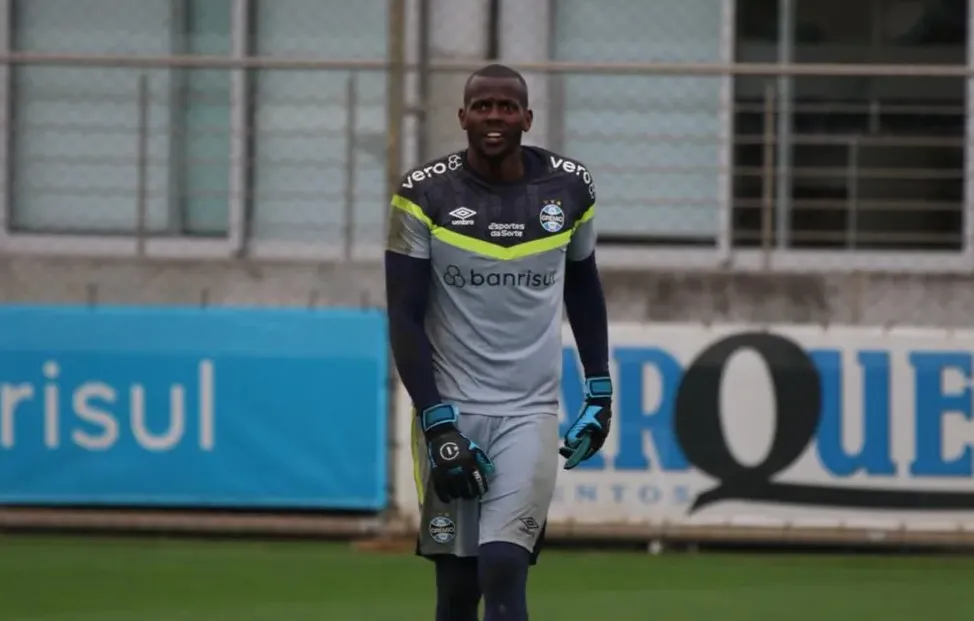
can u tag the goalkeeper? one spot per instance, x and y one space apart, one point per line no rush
484 247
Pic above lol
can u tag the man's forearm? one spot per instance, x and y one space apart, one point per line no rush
407 290
587 315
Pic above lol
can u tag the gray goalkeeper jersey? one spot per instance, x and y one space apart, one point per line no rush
498 255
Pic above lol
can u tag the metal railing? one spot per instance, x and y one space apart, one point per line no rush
849 175
692 69
919 160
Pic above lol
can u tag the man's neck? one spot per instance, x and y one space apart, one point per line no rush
511 168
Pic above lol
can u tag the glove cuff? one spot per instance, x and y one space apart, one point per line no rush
439 417
599 387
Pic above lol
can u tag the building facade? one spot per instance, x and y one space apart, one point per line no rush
836 197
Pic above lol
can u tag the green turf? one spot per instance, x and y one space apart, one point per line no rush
141 580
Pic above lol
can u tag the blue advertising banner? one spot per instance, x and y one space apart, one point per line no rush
193 407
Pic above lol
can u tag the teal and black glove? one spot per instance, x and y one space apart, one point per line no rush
459 468
588 433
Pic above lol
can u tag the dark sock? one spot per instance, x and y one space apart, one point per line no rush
503 569
457 589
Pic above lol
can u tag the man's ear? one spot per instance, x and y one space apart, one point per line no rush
462 116
528 120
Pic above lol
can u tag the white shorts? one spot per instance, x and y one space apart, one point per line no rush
524 450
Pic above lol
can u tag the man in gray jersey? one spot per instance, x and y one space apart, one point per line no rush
485 247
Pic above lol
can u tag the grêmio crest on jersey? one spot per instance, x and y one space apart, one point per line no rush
552 217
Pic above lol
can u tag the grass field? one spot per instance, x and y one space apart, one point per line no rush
75 579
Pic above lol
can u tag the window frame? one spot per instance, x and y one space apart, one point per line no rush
788 259
778 259
621 256
131 245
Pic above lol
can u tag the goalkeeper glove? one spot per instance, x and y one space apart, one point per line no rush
459 468
588 433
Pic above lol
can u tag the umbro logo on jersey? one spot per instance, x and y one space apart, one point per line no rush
462 216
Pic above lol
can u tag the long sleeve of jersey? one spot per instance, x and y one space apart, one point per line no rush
407 276
585 299
587 315
407 286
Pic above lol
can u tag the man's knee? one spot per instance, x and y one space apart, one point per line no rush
504 581
502 562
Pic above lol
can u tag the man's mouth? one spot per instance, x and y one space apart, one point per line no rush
494 137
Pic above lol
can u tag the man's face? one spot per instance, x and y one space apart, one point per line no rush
494 116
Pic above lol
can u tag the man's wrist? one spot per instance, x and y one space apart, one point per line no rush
438 417
598 386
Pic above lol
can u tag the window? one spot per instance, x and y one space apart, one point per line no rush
655 143
204 129
75 131
318 148
865 163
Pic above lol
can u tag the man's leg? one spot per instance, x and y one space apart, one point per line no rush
503 570
457 588
449 533
524 450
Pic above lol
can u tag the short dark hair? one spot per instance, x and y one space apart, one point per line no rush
496 70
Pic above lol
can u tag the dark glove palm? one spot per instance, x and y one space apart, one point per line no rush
588 433
459 467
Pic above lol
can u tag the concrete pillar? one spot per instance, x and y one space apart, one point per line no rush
526 36
458 31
